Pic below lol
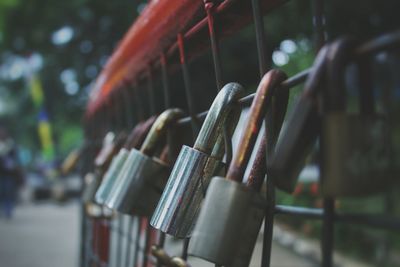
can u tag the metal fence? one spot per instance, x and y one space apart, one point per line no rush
160 45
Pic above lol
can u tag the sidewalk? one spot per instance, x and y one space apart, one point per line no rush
47 235
42 235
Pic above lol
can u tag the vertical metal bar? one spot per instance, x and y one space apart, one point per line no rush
268 224
146 248
260 37
319 24
192 111
119 240
328 203
165 81
119 113
150 87
129 241
137 101
269 131
327 232
137 244
167 104
126 99
366 94
210 7
188 88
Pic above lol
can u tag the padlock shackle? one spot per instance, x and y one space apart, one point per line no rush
139 133
217 116
159 129
339 54
265 91
259 167
111 145
230 126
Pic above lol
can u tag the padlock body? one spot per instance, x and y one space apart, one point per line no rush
177 211
138 189
92 183
358 155
228 224
110 176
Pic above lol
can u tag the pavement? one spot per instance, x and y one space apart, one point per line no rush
47 235
40 235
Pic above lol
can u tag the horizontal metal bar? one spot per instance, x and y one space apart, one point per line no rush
311 213
246 101
384 42
382 221
377 220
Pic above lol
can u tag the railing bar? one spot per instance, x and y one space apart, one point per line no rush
246 101
376 221
385 42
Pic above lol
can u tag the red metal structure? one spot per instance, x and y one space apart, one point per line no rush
155 34
163 40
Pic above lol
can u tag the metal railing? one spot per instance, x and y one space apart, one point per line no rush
128 81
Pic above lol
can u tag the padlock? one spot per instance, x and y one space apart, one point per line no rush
71 161
300 132
106 148
357 153
91 184
111 146
110 176
166 260
180 202
135 139
231 217
143 177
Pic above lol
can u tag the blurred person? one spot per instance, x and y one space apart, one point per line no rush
10 173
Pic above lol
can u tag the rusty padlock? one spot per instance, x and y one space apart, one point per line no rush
180 202
301 130
143 176
135 139
357 152
233 212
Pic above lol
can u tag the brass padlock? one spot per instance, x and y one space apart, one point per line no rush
135 139
143 177
300 132
229 222
357 152
180 202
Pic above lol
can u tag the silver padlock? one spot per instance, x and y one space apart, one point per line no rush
143 177
229 222
106 150
92 183
110 176
180 202
107 180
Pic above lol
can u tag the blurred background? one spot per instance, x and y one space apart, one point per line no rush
51 53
